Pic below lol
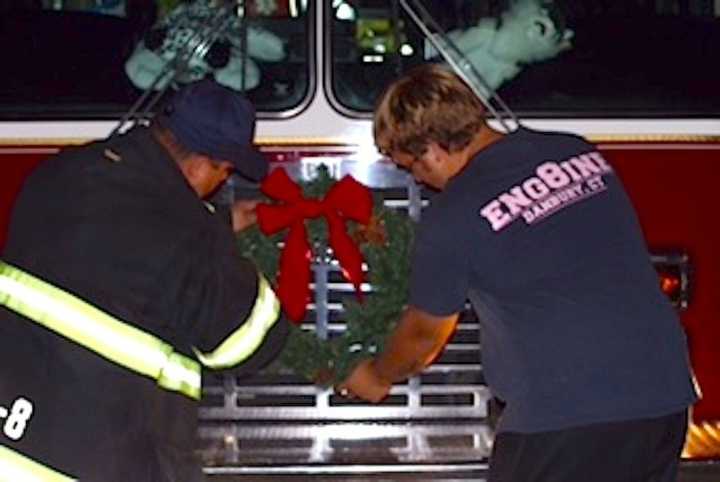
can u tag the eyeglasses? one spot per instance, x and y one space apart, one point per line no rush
404 160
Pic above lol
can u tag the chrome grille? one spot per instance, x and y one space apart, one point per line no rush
439 418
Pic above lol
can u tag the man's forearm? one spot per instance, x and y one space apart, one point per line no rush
414 344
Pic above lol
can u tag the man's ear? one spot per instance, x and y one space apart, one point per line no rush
193 167
434 154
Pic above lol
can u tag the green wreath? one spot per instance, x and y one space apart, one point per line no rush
385 243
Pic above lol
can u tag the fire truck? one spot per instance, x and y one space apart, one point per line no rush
638 78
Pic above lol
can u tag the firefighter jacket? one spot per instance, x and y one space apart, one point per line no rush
117 283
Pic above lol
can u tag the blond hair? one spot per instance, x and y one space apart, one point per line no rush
428 104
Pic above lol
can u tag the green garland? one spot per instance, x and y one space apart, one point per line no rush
386 247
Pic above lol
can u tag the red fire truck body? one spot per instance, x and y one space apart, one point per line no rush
669 164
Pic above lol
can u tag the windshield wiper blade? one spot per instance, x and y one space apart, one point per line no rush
460 64
196 44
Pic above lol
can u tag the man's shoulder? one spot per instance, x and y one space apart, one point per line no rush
449 216
554 139
516 153
72 158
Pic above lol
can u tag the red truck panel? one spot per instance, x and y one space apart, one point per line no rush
674 189
15 164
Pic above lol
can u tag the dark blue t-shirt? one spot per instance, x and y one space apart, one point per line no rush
539 234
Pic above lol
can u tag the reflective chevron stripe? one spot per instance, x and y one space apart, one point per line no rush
15 467
98 331
127 345
246 339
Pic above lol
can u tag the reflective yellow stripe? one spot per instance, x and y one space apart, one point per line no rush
90 327
246 339
19 468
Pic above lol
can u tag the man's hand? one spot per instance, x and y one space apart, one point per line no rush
365 383
243 214
416 341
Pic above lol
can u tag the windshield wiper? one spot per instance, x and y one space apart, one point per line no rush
460 64
196 44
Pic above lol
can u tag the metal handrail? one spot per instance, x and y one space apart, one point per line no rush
460 64
196 44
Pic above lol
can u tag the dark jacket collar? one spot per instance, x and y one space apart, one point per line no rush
141 153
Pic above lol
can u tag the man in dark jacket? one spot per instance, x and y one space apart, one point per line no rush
117 283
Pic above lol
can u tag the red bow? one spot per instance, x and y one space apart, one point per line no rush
346 199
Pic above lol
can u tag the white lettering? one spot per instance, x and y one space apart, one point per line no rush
595 183
535 188
495 215
570 170
550 203
585 165
601 161
17 420
575 191
537 210
516 200
552 175
555 185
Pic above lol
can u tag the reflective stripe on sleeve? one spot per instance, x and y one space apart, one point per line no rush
15 467
98 331
245 341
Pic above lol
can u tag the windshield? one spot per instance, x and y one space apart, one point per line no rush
94 58
544 58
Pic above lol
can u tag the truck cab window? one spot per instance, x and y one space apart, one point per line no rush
93 58
546 58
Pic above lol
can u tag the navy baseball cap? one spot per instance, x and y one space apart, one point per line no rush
216 121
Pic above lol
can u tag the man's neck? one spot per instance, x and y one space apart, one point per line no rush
484 138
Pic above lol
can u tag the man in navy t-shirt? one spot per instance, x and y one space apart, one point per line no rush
580 344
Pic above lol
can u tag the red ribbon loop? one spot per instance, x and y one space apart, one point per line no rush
346 200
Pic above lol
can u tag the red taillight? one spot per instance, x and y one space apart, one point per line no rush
674 277
670 284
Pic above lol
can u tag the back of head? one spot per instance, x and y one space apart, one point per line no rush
428 104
